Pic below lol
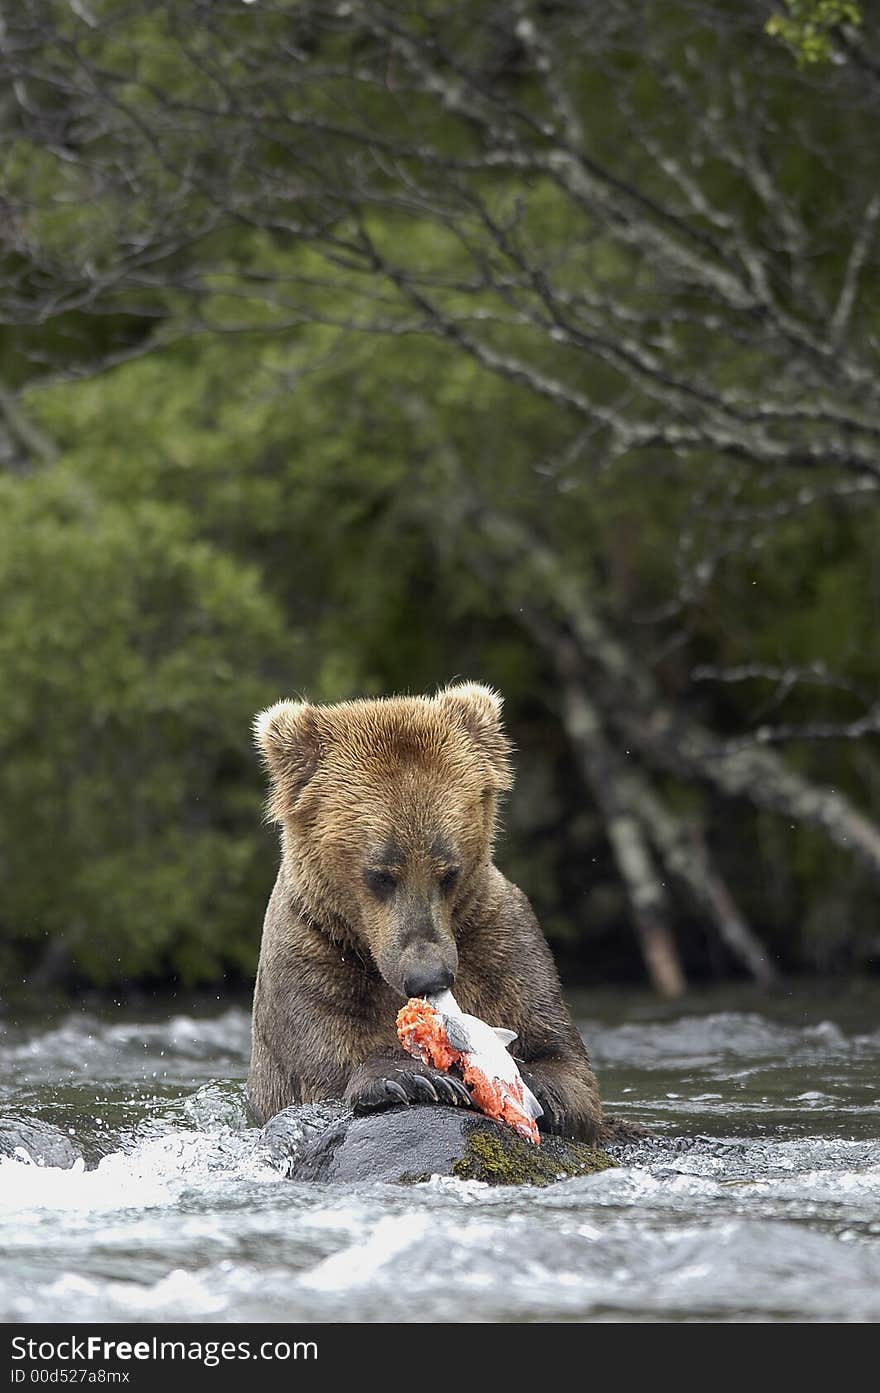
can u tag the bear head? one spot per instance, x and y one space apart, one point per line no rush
388 811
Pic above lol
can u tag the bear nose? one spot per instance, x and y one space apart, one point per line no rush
427 981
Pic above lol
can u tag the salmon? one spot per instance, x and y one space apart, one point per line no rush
436 1031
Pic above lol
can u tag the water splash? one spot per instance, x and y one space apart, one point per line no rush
181 1212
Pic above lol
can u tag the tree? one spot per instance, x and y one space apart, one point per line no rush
646 219
133 656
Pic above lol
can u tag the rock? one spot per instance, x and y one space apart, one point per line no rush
498 1156
292 1132
406 1145
44 1144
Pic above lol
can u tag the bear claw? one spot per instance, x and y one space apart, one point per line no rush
395 1091
409 1086
447 1092
425 1087
458 1092
554 1118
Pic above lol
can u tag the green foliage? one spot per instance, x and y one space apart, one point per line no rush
262 505
808 27
134 655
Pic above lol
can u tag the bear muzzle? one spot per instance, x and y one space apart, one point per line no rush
428 980
419 964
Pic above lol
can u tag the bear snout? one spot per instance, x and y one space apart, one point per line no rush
419 967
428 980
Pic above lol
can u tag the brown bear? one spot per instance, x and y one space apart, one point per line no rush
387 890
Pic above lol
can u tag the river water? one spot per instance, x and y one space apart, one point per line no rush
772 1213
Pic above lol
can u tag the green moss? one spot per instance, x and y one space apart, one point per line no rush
502 1158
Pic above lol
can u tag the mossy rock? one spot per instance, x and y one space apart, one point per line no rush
408 1145
499 1157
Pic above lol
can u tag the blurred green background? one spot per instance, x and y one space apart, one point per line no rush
350 349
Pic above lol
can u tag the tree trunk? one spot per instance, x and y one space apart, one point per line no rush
605 775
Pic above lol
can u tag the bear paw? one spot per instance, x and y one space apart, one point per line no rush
369 1091
554 1118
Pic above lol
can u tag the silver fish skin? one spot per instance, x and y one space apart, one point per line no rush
485 1046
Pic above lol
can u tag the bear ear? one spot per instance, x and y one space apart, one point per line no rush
478 708
287 737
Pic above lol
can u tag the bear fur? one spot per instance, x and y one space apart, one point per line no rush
386 889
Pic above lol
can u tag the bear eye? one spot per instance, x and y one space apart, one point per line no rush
449 877
382 883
